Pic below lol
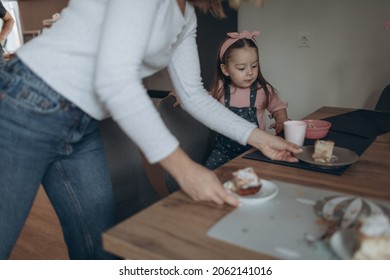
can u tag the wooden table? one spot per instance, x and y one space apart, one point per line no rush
176 227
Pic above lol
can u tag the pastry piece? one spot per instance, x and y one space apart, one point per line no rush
245 182
345 212
373 236
323 151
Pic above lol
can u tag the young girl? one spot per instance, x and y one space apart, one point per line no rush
241 87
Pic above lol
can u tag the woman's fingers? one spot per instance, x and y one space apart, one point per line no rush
231 200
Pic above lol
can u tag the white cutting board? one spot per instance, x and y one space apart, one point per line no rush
277 227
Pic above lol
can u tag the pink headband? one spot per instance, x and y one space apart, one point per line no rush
234 37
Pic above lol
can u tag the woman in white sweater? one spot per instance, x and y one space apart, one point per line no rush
87 66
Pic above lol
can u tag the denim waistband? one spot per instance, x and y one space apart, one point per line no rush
15 70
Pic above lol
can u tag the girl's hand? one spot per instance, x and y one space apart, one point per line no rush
195 180
273 147
280 117
278 126
177 103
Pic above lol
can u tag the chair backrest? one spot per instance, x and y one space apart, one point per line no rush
132 188
383 103
193 136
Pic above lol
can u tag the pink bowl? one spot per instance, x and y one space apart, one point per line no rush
316 129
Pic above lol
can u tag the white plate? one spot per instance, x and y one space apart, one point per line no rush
268 191
343 243
341 157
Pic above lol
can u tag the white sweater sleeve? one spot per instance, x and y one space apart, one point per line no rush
184 70
118 79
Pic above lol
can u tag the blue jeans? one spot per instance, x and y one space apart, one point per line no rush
45 139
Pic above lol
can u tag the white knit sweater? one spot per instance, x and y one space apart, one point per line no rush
98 52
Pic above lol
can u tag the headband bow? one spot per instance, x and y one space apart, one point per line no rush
234 37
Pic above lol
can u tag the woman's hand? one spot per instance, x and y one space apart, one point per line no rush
195 180
274 147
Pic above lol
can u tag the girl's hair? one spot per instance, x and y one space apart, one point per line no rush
217 89
212 6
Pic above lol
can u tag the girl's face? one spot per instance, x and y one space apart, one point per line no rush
242 67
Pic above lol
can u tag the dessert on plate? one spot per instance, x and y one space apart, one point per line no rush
323 151
245 182
373 238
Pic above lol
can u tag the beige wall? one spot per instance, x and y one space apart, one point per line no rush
32 12
348 63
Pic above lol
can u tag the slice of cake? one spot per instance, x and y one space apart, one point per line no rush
323 151
373 239
245 182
